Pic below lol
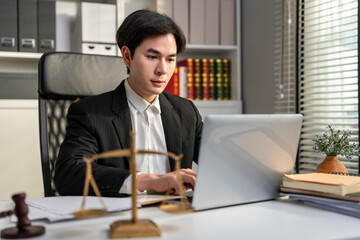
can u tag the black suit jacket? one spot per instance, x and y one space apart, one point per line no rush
102 123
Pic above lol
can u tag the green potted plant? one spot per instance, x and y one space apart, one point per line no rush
334 144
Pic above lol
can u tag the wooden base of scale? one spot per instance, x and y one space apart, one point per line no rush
129 229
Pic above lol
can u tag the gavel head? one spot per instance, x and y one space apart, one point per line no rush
21 210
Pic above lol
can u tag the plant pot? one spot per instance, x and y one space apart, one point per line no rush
331 164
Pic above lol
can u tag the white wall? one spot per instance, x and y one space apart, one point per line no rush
20 164
257 44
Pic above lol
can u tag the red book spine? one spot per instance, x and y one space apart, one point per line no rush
189 63
205 79
175 77
170 86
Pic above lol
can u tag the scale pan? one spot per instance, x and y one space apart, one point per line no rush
89 213
176 208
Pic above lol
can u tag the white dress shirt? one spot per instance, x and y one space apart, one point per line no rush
147 123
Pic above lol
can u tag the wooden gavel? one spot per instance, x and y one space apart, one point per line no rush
23 229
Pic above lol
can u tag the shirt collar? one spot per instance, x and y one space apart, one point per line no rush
138 102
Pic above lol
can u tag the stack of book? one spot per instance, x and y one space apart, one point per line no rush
332 192
201 79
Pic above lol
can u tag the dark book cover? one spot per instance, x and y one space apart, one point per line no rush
197 78
226 79
212 79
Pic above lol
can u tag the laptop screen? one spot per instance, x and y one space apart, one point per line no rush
243 157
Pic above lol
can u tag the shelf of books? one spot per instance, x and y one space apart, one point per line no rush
209 82
201 79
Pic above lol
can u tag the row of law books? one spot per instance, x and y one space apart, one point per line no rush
333 192
201 79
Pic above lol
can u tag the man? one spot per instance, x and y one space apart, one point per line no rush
149 44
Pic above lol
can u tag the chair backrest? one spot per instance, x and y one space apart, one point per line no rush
63 78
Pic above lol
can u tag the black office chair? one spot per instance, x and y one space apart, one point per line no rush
63 78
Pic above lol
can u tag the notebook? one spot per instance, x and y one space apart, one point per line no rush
243 158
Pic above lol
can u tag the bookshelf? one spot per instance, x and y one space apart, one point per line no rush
20 62
231 52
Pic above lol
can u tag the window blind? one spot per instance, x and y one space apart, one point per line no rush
328 75
285 56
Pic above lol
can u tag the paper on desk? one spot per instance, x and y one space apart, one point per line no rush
145 199
60 208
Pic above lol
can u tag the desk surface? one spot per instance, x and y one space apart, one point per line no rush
264 220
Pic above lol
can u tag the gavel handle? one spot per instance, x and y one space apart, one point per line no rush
6 213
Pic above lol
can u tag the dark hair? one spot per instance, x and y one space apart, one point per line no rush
142 24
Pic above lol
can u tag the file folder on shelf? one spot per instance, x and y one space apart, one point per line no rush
181 16
197 18
212 20
8 29
46 25
227 22
27 16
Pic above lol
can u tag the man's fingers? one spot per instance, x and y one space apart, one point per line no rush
188 171
188 178
170 180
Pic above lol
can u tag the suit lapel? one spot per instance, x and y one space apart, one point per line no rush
122 123
172 127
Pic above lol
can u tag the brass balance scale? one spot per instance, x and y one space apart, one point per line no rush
134 227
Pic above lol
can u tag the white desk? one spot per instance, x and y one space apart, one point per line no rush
265 220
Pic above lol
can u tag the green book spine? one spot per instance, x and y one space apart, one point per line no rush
219 80
197 78
226 79
212 77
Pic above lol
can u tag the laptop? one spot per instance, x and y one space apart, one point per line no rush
243 157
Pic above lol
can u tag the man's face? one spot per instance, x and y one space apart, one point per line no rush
152 66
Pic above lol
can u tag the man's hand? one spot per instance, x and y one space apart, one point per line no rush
164 182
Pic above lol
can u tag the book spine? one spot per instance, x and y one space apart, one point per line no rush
189 63
219 80
183 81
197 78
170 86
226 79
212 84
190 79
176 81
173 84
205 79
